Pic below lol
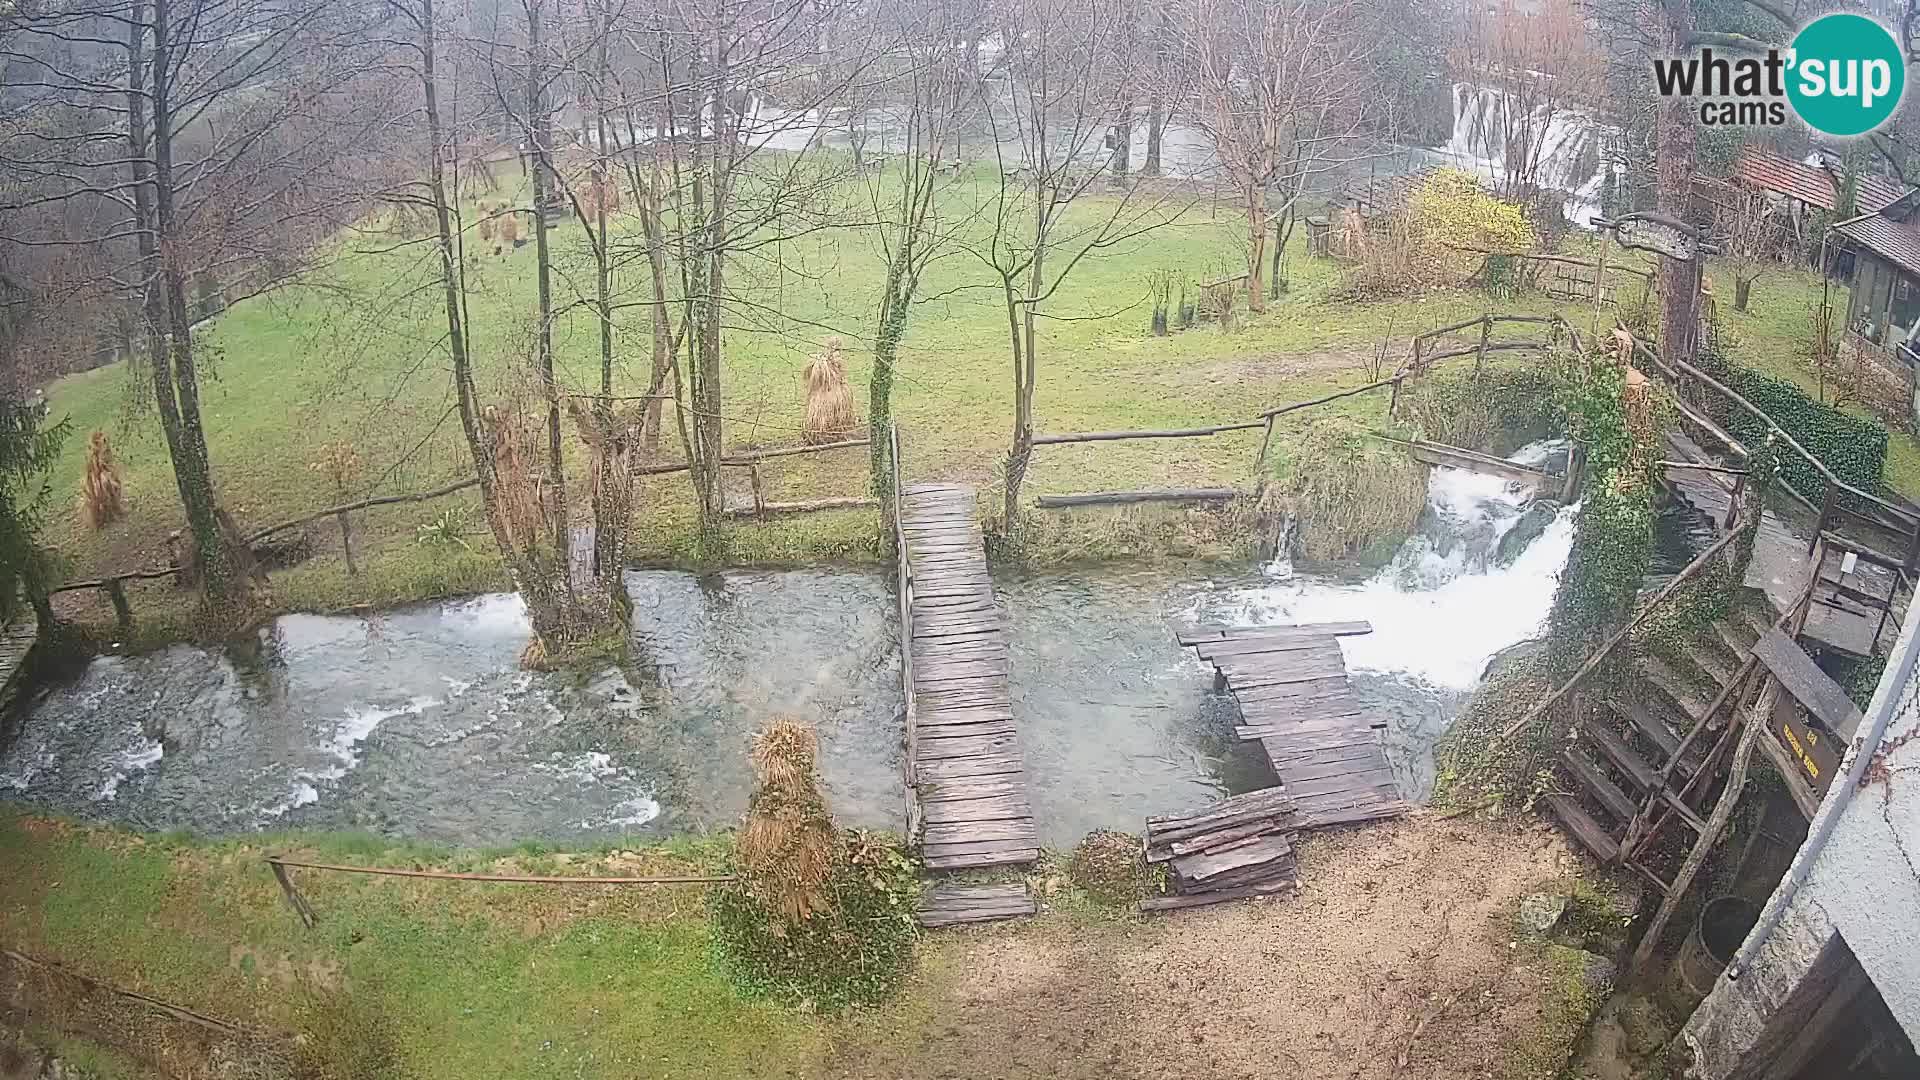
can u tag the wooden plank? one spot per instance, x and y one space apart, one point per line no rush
965 746
974 787
1196 635
1582 826
1239 855
939 833
1220 896
980 847
993 808
1237 647
1326 686
1605 791
976 765
974 862
1810 686
1632 765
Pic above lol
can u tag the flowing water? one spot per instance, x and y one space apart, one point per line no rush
1569 144
417 723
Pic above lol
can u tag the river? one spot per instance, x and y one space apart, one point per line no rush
417 723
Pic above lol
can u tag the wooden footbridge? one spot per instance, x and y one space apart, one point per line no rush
1296 701
966 781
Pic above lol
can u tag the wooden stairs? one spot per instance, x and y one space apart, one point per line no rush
1641 761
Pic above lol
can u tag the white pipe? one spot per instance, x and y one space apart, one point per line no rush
1886 701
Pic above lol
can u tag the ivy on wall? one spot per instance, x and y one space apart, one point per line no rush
1613 534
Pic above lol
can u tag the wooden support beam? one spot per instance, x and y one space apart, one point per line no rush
1114 498
1756 722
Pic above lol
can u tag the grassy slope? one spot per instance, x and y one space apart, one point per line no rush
358 359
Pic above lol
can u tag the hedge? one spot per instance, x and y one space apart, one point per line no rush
1853 447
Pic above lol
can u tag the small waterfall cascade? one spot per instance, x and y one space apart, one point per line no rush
1571 144
1477 575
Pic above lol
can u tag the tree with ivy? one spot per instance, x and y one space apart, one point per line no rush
27 452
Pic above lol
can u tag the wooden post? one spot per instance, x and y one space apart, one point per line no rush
1733 502
294 899
1480 359
759 493
1576 464
346 543
1912 561
1393 402
122 611
1260 462
1826 509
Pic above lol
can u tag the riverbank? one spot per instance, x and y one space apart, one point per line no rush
1399 954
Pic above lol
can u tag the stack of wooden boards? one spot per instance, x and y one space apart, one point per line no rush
1239 847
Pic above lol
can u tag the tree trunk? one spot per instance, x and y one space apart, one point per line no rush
540 138
1156 124
1022 319
1122 148
223 571
1674 139
1742 291
886 347
1256 249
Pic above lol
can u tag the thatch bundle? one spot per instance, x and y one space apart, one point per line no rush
1348 493
830 416
507 228
788 843
515 479
101 501
485 225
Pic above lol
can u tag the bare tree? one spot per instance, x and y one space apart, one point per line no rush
1750 235
1063 93
1281 86
923 87
206 141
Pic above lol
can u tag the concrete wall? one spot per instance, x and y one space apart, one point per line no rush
1864 885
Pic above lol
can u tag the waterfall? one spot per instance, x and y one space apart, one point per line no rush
1571 143
1477 575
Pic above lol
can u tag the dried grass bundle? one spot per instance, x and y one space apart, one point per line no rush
788 842
830 415
101 494
507 228
516 479
485 225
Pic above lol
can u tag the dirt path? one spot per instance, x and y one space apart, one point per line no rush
1397 947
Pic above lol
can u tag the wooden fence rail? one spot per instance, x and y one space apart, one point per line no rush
1419 364
114 585
1892 518
281 865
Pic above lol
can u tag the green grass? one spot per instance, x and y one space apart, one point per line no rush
357 357
471 980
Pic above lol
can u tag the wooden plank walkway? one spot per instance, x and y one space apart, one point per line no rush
1292 689
966 777
1781 566
958 905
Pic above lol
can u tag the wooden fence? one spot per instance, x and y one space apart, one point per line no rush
1424 356
759 509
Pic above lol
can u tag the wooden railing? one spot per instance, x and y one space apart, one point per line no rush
1420 363
1878 513
761 508
910 712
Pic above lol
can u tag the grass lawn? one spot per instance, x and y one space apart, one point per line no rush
356 356
408 979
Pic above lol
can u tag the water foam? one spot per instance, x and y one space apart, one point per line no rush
1443 608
